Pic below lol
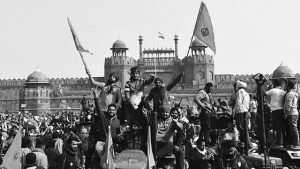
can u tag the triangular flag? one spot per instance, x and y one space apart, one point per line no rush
12 158
107 161
150 160
203 29
76 40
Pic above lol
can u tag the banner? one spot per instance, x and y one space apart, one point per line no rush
203 29
76 40
107 161
12 160
150 160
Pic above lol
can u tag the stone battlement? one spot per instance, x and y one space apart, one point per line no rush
198 59
120 60
62 81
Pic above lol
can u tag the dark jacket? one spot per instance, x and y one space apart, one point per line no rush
52 155
237 163
99 128
197 159
160 96
69 160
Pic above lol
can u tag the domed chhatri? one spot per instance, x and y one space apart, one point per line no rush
119 45
37 77
283 71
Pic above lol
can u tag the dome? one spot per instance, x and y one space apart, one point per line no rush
37 77
119 44
282 72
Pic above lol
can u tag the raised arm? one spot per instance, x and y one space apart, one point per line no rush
149 80
119 98
174 82
93 81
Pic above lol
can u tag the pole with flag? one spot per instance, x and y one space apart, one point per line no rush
150 158
77 43
203 30
107 161
12 158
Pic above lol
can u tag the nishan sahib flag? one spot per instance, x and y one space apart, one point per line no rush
76 40
203 29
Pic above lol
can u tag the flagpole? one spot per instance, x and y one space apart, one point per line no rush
189 46
82 59
155 66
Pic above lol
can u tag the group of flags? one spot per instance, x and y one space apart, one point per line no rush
203 31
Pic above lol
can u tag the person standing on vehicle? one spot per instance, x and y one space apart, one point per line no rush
205 101
291 113
275 100
134 94
253 110
110 93
242 111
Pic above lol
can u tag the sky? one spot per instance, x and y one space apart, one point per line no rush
251 36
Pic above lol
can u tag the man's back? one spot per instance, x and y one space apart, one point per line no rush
41 158
276 98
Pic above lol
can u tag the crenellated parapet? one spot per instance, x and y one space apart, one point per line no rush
198 59
69 81
62 81
12 82
120 60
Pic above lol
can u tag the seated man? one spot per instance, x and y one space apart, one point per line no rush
166 127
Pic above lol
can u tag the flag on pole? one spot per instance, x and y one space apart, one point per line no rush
107 161
160 35
203 29
76 40
12 156
150 160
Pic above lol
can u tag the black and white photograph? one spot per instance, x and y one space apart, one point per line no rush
149 84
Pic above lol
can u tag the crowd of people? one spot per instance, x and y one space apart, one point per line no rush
201 134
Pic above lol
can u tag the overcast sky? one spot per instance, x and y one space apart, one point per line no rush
251 36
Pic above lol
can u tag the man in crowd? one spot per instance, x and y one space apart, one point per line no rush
70 158
85 105
160 96
110 93
166 127
99 129
25 149
134 93
233 99
205 101
229 157
31 162
201 157
160 93
41 157
52 154
275 100
253 111
292 114
242 112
